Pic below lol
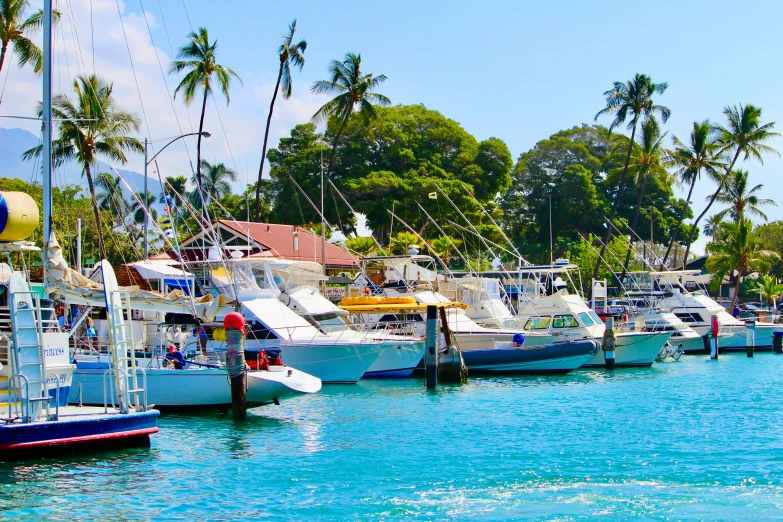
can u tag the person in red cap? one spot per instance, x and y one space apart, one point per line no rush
175 357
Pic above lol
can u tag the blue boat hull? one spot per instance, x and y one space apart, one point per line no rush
90 434
555 358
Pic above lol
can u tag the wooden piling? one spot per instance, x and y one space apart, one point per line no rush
608 344
750 338
431 347
451 365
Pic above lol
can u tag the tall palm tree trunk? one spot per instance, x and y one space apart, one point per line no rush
679 224
91 184
266 136
2 54
736 293
616 204
198 153
334 145
633 224
712 200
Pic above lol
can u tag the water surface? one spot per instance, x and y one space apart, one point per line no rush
695 439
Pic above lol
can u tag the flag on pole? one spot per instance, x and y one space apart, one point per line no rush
432 195
169 233
165 222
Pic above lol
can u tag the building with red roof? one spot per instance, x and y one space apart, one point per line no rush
266 240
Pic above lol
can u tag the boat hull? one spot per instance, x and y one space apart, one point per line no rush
396 362
80 431
734 338
333 363
169 388
633 349
550 359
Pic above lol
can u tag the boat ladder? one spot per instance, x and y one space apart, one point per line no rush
27 387
129 391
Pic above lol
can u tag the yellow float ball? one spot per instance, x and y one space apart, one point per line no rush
18 216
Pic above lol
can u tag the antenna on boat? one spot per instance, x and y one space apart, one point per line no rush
323 222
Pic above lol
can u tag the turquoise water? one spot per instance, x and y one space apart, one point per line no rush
695 439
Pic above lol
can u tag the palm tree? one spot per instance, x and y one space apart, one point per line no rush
630 99
289 53
137 208
403 240
91 125
712 225
361 245
199 59
355 89
736 251
216 182
770 288
111 197
171 185
736 194
699 155
13 27
646 160
744 134
443 247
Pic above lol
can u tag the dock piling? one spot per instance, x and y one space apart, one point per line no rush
714 327
431 347
234 325
777 342
451 365
608 343
750 340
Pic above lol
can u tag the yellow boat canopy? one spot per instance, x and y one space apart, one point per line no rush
387 304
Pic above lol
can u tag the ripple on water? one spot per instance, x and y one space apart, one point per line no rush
696 439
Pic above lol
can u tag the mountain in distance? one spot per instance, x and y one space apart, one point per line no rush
14 142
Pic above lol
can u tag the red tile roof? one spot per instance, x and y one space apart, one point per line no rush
279 241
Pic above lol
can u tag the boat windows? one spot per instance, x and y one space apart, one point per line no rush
586 320
594 317
259 332
565 321
538 323
686 317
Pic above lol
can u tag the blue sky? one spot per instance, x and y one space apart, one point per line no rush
516 70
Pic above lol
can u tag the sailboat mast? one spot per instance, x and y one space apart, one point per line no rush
47 132
323 220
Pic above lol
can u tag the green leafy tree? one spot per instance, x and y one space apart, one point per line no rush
92 125
15 29
770 237
630 99
700 155
289 53
198 57
353 89
740 198
137 208
172 185
734 253
316 229
743 134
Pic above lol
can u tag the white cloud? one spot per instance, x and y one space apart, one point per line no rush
244 119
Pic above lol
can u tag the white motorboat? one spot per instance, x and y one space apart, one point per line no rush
298 281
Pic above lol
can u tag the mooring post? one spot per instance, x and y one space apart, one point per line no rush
750 338
451 365
234 325
777 342
714 327
608 343
431 347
